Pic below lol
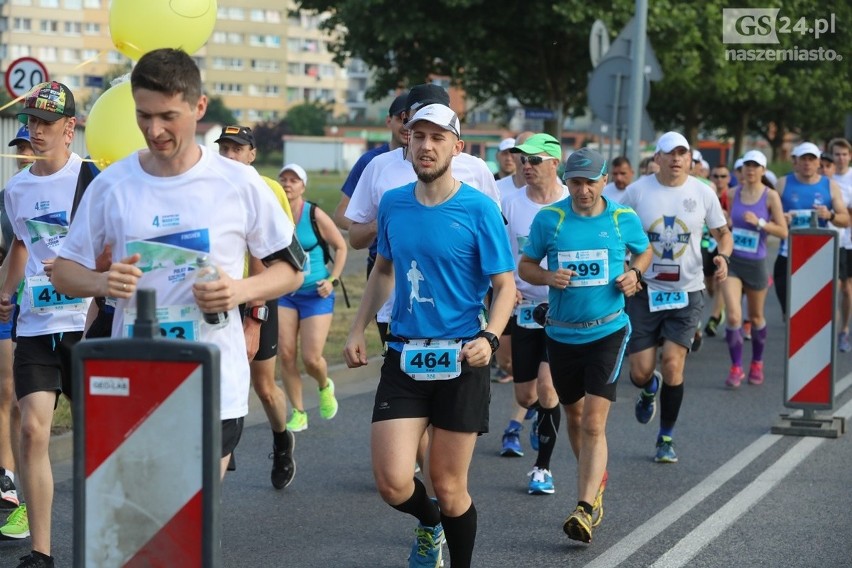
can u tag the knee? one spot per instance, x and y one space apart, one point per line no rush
394 490
448 489
313 362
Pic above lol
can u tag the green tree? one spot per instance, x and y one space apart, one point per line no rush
307 119
218 112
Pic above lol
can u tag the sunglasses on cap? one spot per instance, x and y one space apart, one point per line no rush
535 160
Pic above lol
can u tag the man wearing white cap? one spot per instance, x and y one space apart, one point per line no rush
505 160
510 184
840 151
673 207
436 368
803 192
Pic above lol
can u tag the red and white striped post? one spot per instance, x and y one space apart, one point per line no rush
146 450
810 349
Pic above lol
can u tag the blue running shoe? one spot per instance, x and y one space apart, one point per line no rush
426 550
646 404
512 444
531 412
534 432
665 450
541 482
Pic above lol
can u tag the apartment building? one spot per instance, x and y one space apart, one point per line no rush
261 59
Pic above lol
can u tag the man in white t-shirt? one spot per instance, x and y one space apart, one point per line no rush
38 201
621 174
505 161
511 184
673 207
161 208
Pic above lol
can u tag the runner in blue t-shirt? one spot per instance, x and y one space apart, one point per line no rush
443 243
585 239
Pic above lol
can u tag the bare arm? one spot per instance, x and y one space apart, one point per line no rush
839 210
10 275
340 218
361 235
335 239
478 352
379 287
629 282
725 246
531 271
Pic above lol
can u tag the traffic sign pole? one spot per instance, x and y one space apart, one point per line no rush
811 341
147 447
637 82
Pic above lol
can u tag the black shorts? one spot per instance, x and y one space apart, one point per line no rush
510 327
591 368
707 260
267 344
457 405
101 325
844 263
43 363
529 351
232 431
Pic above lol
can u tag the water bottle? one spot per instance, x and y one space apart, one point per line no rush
208 273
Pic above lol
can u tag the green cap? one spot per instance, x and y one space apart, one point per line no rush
538 143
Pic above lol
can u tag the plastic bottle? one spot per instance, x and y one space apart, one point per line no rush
208 273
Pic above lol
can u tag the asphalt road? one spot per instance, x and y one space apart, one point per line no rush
739 496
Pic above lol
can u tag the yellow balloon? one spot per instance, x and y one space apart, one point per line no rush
138 27
111 130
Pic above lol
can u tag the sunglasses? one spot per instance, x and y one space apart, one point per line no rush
720 176
535 160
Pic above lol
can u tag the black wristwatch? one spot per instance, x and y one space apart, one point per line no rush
259 313
491 338
335 282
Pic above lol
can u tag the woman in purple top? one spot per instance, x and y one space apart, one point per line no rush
755 212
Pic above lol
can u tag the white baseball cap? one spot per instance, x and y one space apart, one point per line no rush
755 156
296 169
696 155
738 164
506 144
438 114
770 175
669 141
806 148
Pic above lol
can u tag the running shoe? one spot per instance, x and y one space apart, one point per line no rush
712 325
597 507
747 330
534 432
36 560
843 344
426 550
531 413
697 340
327 402
17 524
512 444
501 376
541 482
665 450
755 373
298 421
283 464
735 376
8 493
646 404
578 525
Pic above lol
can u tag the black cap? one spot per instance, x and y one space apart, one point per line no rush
48 101
240 134
827 157
426 94
398 105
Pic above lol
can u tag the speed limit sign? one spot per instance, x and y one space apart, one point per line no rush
23 74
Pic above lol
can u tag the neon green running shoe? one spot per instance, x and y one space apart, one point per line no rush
17 524
298 422
327 402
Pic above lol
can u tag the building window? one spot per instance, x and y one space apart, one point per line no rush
265 65
22 2
22 24
72 81
73 4
91 28
16 51
47 54
49 3
73 28
261 40
71 55
93 4
49 26
115 57
89 54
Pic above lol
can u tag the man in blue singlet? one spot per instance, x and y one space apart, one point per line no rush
802 192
